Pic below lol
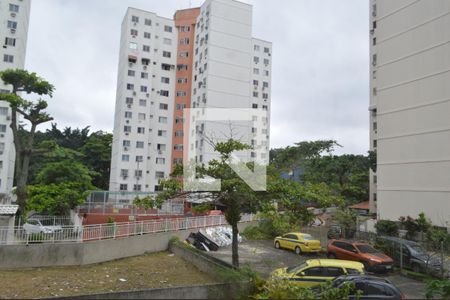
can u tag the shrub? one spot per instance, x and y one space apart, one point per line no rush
439 288
255 233
387 227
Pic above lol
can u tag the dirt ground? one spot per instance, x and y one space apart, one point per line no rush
160 270
264 258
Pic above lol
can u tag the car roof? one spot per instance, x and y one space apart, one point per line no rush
334 263
362 277
399 240
352 242
297 233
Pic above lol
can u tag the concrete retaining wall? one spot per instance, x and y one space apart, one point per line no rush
59 254
211 291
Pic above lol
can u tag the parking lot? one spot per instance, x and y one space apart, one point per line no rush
264 258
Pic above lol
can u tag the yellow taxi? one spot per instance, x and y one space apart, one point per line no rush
297 241
317 271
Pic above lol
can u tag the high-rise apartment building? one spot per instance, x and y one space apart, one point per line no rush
204 58
14 16
410 108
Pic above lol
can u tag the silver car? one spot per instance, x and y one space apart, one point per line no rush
35 226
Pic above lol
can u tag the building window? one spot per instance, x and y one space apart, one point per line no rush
144 75
165 67
265 84
182 80
10 42
256 47
129 101
131 73
146 48
148 22
125 157
162 120
167 54
140 145
256 71
124 173
163 106
12 25
8 58
134 19
134 33
167 41
374 196
266 73
130 86
159 175
128 114
375 143
164 93
178 147
266 50
126 143
180 106
160 161
184 41
182 67
147 35
139 158
185 28
181 94
142 102
137 188
144 89
141 130
179 133
161 147
184 54
256 59
167 28
141 117
179 120
3 111
13 8
123 187
127 128
254 105
265 96
162 133
177 161
165 80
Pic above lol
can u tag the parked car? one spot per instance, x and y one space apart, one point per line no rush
297 241
335 232
35 226
316 271
415 256
371 258
370 287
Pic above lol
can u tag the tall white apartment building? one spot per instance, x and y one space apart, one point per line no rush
410 108
142 142
204 58
231 70
14 16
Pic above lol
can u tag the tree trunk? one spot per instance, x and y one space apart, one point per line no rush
234 245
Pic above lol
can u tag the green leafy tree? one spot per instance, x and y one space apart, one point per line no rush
32 112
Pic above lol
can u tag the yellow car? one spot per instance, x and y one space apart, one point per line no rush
299 242
316 271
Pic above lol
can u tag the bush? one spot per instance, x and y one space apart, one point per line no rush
386 227
439 288
254 233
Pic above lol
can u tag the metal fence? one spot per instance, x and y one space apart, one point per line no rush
78 234
111 203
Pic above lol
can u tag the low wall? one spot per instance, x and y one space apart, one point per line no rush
60 254
210 291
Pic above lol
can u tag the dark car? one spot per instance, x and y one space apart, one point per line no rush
370 287
415 257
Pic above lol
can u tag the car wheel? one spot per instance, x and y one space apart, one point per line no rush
298 251
277 245
366 265
417 268
331 256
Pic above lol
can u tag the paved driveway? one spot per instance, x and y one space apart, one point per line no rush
264 258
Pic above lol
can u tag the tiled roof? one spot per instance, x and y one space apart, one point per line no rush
8 209
362 205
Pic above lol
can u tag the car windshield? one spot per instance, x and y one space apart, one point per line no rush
294 269
366 249
307 237
417 248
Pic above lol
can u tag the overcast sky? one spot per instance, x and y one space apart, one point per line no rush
319 77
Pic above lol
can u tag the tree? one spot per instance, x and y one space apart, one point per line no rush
290 158
31 111
97 156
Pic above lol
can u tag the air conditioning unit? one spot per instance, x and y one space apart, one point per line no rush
130 64
133 36
148 95
125 148
2 135
256 87
145 67
8 118
160 152
129 105
135 23
127 121
13 30
125 176
153 90
13 15
134 93
127 133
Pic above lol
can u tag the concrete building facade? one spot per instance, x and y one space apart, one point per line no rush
14 16
211 61
410 108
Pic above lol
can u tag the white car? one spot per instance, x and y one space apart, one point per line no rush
35 226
